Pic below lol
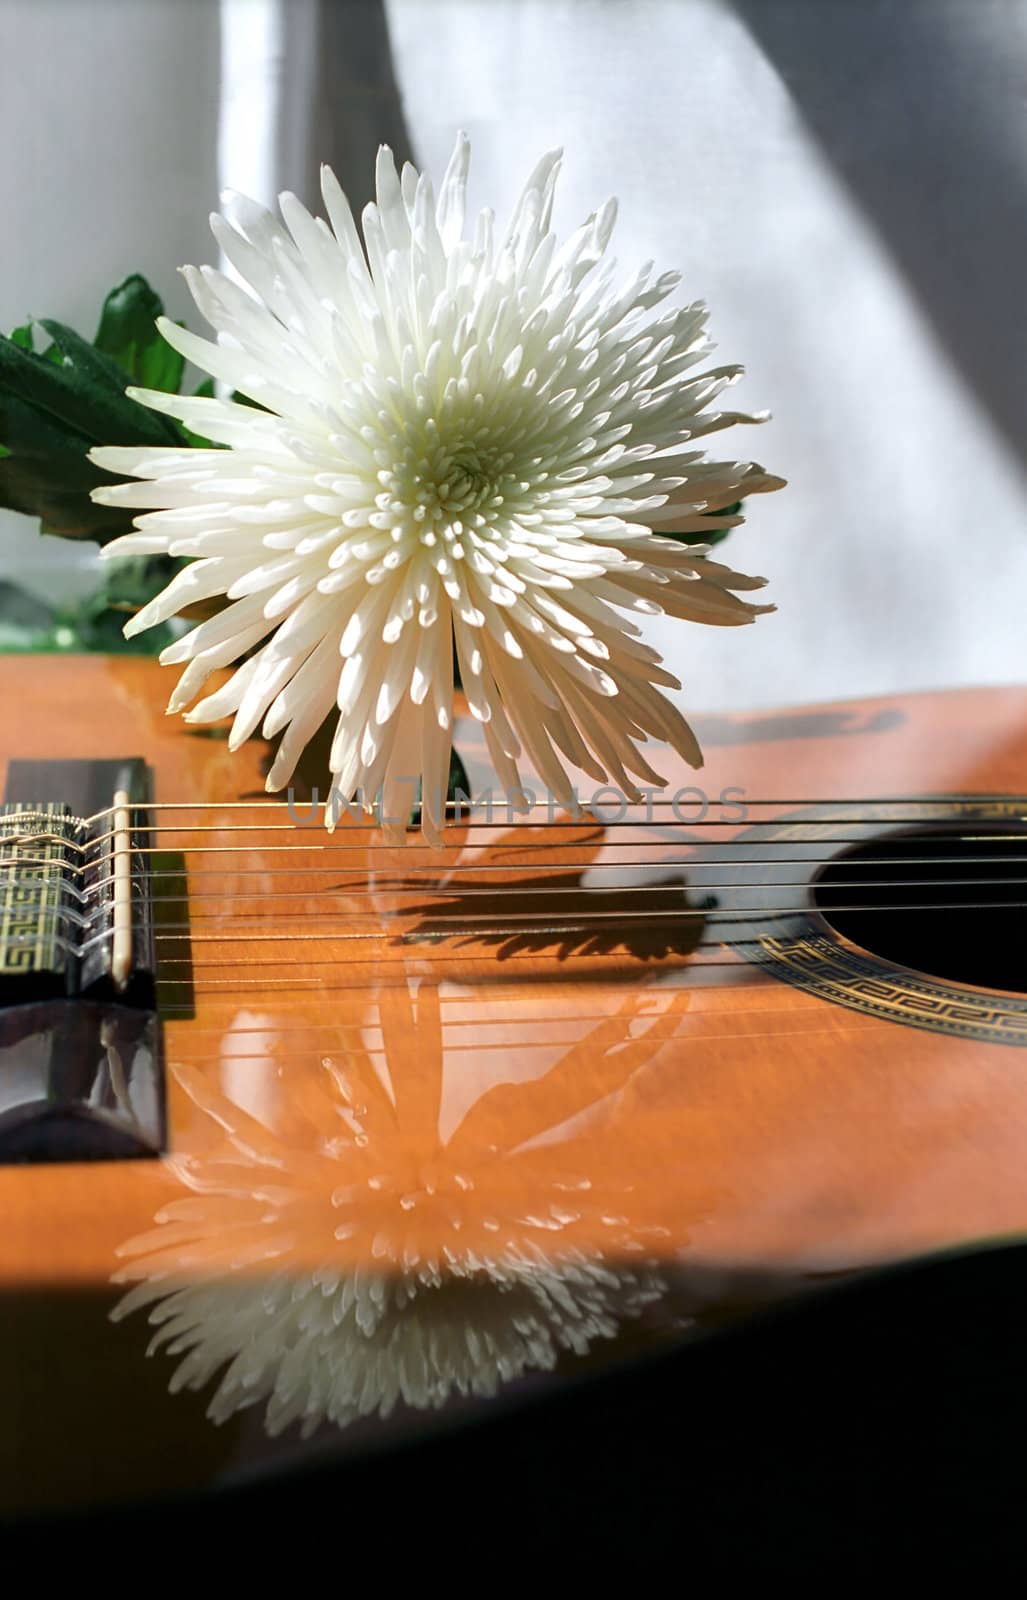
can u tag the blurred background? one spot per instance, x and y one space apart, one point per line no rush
845 181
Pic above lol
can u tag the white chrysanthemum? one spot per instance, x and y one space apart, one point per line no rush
471 440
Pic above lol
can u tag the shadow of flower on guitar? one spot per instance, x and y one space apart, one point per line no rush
814 722
494 897
348 1254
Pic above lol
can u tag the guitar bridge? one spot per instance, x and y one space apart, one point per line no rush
81 1070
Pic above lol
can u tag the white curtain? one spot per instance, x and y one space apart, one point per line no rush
108 128
843 180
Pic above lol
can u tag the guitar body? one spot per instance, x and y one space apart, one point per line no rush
512 1088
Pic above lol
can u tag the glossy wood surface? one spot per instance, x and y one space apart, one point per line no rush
368 1104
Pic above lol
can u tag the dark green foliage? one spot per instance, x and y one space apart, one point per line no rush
127 333
56 403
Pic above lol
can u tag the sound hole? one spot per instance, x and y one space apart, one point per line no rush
950 904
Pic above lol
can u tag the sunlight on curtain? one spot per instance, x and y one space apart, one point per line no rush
745 154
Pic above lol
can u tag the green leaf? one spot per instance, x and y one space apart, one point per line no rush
128 334
56 404
84 396
50 415
54 486
44 473
128 315
241 399
715 535
24 429
25 340
158 366
101 381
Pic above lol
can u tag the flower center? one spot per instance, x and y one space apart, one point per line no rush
469 485
444 486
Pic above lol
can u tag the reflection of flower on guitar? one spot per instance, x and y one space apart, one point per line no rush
353 1257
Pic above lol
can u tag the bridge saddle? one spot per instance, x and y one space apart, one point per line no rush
81 1071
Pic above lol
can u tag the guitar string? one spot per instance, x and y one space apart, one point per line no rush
378 895
239 924
92 846
465 819
512 925
459 878
518 824
376 884
403 852
398 856
464 1012
805 800
429 904
383 898
444 926
424 898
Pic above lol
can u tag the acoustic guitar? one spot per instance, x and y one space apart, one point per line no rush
312 1141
